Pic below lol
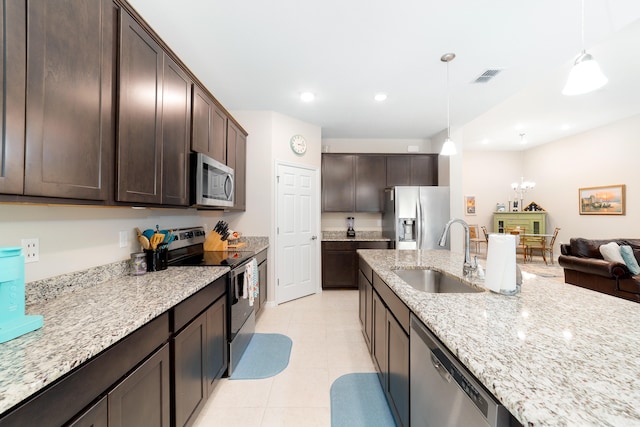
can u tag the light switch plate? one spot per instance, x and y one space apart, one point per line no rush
124 239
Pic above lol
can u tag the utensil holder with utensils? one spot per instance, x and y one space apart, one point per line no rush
157 259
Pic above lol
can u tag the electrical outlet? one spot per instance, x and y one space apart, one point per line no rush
124 239
31 250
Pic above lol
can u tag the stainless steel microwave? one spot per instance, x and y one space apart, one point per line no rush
213 182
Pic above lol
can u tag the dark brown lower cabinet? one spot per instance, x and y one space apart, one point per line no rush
380 309
379 329
199 350
142 399
398 369
190 360
95 416
365 290
340 262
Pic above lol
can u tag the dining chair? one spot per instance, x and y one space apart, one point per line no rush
475 239
486 234
545 248
521 242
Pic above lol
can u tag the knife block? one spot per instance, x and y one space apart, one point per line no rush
214 242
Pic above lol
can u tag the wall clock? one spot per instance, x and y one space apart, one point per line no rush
298 144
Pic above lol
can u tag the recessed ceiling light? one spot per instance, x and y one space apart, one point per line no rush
307 96
565 126
380 97
519 126
485 141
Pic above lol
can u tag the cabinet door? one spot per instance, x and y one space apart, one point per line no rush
142 398
139 130
96 416
189 370
69 118
338 180
176 134
365 292
209 126
216 347
13 42
370 182
398 170
379 337
398 369
237 159
424 169
339 265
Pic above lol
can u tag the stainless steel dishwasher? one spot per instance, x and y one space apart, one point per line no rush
443 392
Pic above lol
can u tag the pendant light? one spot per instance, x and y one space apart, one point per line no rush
448 148
585 76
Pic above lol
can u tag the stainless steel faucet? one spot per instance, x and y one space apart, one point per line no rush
469 266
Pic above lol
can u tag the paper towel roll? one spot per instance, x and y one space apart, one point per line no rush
500 272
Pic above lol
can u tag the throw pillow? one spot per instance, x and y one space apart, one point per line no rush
611 252
629 259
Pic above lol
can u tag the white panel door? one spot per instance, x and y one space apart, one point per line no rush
297 233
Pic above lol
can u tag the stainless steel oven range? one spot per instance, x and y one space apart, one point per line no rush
188 250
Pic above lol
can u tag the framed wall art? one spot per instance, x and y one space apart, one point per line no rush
470 204
606 200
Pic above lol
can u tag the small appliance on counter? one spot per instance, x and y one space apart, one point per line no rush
13 320
350 231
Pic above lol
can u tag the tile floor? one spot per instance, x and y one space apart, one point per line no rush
327 343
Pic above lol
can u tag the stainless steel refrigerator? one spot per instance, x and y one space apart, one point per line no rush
414 217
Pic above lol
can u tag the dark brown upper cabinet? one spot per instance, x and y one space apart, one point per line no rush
176 134
370 182
412 169
237 159
13 42
153 125
338 182
70 79
209 125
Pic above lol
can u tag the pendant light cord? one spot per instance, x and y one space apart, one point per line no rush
582 27
448 103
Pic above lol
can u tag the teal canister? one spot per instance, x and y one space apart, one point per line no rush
13 321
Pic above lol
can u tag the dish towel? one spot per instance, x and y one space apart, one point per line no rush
250 287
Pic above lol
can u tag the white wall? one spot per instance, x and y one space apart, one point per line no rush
604 156
75 238
268 143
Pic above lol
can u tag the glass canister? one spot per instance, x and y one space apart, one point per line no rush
138 263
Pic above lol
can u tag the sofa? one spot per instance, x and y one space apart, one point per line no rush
585 266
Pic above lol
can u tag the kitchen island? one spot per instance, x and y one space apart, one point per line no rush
555 354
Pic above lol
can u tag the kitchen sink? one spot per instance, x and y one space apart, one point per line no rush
434 281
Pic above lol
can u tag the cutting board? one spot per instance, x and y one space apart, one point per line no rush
237 245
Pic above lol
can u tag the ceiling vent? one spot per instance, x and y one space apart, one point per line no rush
487 75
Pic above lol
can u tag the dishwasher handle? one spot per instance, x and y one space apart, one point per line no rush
440 368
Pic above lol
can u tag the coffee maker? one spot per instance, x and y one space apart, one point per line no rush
350 231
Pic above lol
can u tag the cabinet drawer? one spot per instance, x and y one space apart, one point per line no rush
340 246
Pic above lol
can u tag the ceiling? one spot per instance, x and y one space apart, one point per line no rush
261 55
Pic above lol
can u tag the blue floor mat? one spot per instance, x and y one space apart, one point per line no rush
266 355
357 400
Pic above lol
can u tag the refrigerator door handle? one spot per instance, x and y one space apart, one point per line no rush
418 224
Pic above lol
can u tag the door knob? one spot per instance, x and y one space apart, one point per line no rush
314 237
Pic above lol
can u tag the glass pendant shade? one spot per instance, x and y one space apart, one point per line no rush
448 148
585 76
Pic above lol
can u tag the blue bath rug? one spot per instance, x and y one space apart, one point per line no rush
357 400
266 355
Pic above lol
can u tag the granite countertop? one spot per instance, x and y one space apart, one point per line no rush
364 236
554 354
79 323
253 244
